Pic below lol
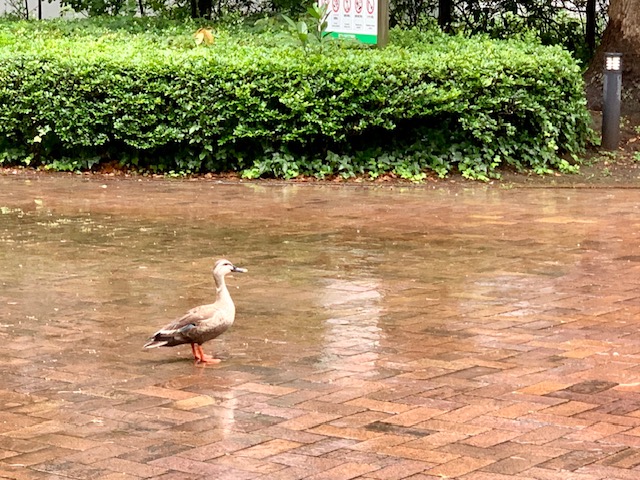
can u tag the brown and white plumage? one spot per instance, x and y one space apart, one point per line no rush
203 323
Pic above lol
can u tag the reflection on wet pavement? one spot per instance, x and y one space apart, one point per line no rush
384 333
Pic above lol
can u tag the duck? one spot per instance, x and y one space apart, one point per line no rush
202 323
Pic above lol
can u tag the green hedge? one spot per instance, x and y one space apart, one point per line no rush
73 94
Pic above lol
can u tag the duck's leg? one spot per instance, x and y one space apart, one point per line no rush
204 358
195 353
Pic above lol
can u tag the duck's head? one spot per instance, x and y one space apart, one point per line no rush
222 267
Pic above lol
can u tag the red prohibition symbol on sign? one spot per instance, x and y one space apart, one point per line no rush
336 5
347 6
358 6
370 6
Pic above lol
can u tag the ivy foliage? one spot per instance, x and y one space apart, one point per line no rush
79 93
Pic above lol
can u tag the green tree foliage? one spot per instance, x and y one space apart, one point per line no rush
552 22
179 9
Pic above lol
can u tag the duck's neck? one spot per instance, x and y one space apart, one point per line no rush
222 293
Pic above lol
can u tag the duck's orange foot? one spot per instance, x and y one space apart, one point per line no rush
207 359
201 358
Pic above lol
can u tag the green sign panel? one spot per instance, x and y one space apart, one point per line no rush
362 38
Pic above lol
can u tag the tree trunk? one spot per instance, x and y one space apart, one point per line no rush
591 26
445 10
622 35
204 8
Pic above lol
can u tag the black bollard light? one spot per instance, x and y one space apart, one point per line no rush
612 89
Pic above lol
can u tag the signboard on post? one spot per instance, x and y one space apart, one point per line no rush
366 21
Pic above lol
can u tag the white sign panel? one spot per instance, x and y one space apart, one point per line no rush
357 19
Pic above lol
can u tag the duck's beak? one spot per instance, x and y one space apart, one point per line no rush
239 270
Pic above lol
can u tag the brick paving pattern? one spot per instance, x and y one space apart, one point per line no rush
476 334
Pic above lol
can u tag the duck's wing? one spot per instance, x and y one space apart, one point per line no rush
177 332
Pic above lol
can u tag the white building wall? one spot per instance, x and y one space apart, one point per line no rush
49 10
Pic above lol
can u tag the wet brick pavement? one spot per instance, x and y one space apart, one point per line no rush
409 333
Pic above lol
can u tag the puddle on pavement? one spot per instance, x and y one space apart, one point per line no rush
90 268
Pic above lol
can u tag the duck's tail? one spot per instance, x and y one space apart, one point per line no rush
155 342
162 338
169 337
